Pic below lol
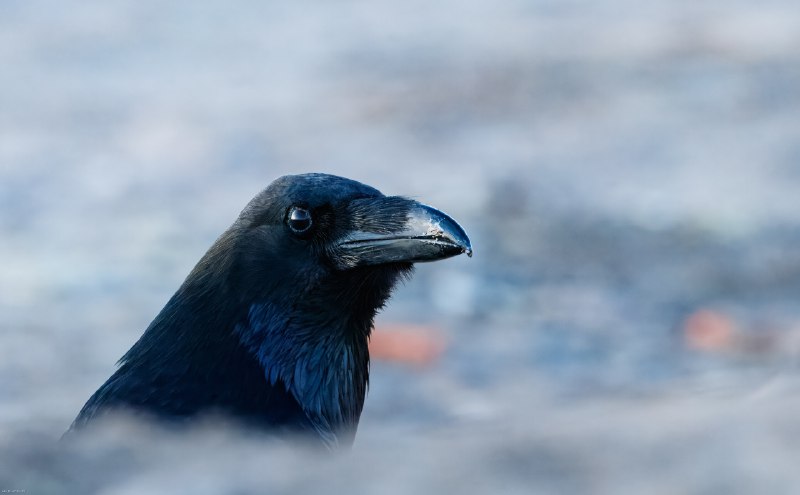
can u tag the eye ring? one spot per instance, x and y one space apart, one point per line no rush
299 220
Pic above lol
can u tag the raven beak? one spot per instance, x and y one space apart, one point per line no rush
427 235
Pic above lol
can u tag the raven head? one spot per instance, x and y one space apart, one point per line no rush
308 231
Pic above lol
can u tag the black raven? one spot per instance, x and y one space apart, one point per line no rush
271 326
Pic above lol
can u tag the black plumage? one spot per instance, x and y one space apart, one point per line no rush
271 326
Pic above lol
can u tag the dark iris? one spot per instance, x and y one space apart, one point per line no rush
299 220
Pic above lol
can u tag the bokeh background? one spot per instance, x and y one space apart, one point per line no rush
629 173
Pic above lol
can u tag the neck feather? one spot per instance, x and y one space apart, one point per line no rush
324 365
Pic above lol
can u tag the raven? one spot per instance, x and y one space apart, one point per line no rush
271 326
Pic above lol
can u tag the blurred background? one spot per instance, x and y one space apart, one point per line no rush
628 172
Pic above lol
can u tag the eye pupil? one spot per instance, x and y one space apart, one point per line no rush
299 220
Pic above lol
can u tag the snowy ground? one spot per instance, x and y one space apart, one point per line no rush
617 164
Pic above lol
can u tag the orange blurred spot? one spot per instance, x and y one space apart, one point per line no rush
708 330
410 344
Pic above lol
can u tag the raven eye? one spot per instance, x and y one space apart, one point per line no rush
299 220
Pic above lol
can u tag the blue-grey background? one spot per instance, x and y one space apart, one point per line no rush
617 164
